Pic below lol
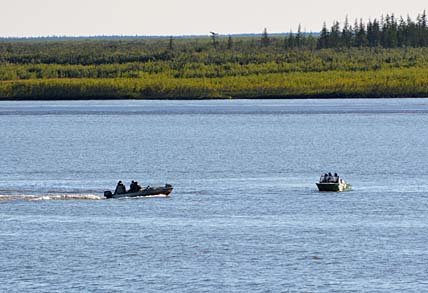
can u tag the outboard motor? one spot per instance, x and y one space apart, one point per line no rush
108 194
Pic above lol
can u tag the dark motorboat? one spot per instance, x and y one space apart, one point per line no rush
144 191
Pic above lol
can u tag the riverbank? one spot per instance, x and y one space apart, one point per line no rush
392 83
192 69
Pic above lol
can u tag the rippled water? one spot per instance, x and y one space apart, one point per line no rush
244 216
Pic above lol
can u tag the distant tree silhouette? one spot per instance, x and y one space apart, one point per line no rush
323 40
289 41
299 37
171 43
229 42
265 38
346 34
388 32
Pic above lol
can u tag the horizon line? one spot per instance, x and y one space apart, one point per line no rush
152 36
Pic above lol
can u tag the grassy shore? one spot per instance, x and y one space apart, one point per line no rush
193 69
332 84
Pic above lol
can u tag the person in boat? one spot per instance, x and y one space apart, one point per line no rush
137 186
336 178
324 178
330 177
120 188
134 187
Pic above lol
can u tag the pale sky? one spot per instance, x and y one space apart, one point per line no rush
186 17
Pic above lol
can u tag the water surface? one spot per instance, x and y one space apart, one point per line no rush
244 216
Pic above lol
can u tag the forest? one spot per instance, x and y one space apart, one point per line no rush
380 58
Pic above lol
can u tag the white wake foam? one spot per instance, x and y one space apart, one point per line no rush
51 197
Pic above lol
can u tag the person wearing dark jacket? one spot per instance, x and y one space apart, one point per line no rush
137 186
120 188
134 187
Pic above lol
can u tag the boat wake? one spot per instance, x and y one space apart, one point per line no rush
30 197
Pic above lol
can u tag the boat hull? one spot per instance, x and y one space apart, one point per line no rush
148 191
334 187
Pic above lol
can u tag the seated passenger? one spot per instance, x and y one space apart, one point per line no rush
324 178
137 186
120 188
132 186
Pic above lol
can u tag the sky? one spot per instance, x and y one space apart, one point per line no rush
32 18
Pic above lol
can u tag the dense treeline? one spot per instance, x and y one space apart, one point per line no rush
335 64
389 32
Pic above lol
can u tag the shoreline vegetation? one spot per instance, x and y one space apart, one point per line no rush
380 59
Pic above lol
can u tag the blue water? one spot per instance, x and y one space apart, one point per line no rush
244 216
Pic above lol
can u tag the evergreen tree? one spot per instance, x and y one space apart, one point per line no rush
311 41
323 41
291 40
374 36
265 38
370 34
385 41
346 39
285 43
360 35
299 37
411 37
171 43
389 32
402 33
229 42
334 39
424 29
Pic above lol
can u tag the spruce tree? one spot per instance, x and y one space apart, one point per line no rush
360 35
424 29
401 33
229 42
299 37
346 38
265 38
393 42
291 40
323 39
171 43
334 38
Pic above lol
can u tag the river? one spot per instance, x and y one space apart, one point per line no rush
244 216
